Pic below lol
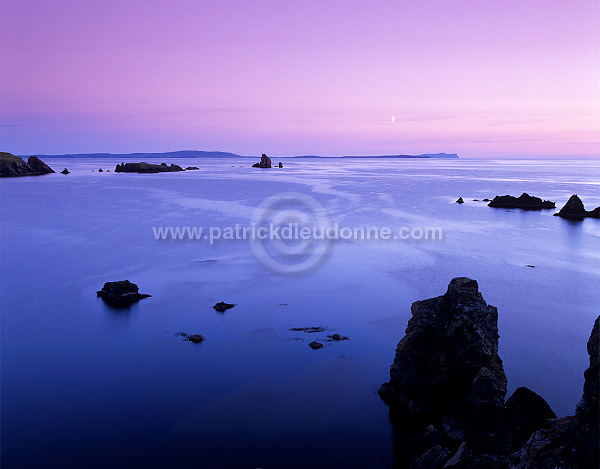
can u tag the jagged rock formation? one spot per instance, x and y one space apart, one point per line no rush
265 162
574 209
447 387
121 293
14 166
147 168
460 200
524 201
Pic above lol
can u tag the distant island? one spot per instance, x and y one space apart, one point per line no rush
222 154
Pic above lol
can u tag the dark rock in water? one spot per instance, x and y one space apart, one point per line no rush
222 306
315 345
146 168
447 369
337 337
38 166
14 166
121 293
196 338
531 266
524 201
280 164
460 200
308 329
265 162
574 209
525 413
100 170
191 168
65 171
475 200
446 395
485 200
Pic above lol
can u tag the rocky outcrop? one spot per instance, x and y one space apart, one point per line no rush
146 168
221 307
447 387
191 168
65 171
121 293
524 201
280 164
569 442
265 162
460 200
14 166
574 209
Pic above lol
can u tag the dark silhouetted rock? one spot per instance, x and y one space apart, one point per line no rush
222 306
485 200
446 396
265 162
14 166
315 345
196 338
460 200
65 171
280 164
526 412
38 166
308 329
100 170
447 370
191 168
337 337
121 293
574 209
147 168
524 201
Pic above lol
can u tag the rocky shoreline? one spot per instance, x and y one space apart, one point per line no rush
15 166
447 393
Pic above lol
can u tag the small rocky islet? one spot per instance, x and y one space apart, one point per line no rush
447 391
121 293
14 166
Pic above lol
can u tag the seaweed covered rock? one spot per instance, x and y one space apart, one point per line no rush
121 293
524 201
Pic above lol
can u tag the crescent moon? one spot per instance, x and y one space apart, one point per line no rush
393 120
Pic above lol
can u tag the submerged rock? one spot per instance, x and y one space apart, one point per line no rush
265 162
446 395
574 209
524 201
196 338
308 329
14 166
315 345
146 168
222 306
337 337
121 293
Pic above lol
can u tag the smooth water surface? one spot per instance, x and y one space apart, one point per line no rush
85 385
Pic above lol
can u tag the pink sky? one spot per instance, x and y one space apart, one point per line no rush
510 78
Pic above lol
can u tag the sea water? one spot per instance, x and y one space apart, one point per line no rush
87 385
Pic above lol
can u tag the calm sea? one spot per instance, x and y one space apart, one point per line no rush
85 385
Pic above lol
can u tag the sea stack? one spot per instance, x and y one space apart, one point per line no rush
524 201
574 209
14 166
446 395
265 162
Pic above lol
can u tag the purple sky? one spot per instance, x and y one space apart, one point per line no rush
510 78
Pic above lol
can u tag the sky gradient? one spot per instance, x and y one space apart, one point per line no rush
478 77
